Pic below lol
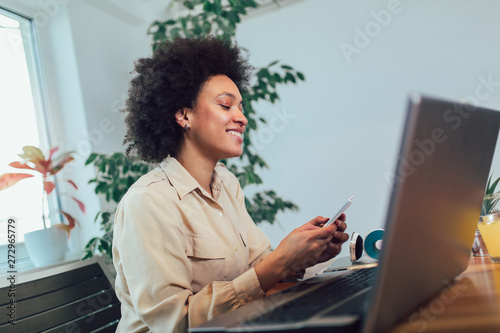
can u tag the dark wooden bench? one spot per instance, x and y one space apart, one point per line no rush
73 297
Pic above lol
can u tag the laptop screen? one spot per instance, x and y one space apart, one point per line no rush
438 187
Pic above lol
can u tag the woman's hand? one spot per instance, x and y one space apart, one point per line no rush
335 245
311 243
303 247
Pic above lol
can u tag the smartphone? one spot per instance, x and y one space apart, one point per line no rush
341 210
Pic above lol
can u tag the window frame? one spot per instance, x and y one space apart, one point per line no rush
31 51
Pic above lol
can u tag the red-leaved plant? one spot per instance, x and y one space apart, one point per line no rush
33 159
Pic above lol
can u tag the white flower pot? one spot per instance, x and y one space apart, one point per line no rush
47 246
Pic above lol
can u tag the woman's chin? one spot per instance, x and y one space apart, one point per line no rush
236 153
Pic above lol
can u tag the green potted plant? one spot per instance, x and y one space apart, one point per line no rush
56 236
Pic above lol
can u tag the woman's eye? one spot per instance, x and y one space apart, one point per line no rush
225 106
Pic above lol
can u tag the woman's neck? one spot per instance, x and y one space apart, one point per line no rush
199 167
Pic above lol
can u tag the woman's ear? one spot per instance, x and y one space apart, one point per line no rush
182 117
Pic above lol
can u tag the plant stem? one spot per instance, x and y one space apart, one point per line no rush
43 204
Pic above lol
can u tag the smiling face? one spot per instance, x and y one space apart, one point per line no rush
216 121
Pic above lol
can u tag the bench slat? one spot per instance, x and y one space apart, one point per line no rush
51 283
109 329
87 324
72 297
62 315
45 302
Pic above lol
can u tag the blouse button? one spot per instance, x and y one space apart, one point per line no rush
220 213
250 299
236 248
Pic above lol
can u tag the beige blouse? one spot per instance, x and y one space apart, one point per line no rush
181 256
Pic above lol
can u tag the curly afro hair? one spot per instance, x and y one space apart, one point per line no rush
170 80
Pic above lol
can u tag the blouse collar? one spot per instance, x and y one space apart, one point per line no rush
184 183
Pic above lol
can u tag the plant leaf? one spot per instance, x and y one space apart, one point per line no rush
91 158
87 255
80 204
273 63
60 164
52 152
48 186
71 220
9 179
72 183
32 153
289 77
104 246
489 181
20 165
64 227
494 185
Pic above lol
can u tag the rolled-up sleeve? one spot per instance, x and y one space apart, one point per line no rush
154 272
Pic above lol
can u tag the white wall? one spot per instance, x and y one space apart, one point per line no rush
349 114
344 123
87 49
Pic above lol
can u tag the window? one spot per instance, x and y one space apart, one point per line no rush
23 122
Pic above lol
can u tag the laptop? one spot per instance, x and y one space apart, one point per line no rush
438 186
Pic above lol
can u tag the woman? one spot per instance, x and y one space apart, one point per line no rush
185 249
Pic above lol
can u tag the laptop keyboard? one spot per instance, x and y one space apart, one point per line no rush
310 304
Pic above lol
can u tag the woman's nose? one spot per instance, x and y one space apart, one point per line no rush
240 118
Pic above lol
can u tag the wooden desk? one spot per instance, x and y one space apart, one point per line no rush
470 305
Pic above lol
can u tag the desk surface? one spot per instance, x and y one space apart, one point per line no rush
472 304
